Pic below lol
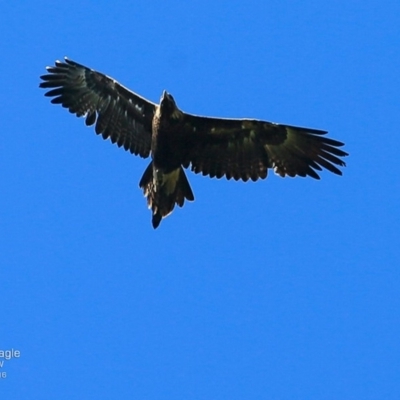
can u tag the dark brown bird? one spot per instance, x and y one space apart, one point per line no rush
234 148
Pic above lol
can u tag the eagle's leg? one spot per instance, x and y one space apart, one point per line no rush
164 190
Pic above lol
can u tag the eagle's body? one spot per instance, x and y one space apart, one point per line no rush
164 182
235 148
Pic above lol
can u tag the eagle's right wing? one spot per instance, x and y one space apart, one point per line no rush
245 149
118 113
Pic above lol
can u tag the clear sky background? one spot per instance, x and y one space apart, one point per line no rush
280 289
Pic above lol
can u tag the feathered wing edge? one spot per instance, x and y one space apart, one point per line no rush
117 113
305 151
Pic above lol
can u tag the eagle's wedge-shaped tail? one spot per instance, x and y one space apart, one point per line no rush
164 190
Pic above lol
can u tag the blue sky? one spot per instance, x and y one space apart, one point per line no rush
280 289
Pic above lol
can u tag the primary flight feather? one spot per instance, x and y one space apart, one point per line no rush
235 148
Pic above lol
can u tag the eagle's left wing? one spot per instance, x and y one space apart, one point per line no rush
118 113
245 149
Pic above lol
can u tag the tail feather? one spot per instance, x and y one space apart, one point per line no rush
164 190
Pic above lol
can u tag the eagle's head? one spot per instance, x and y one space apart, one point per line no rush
168 107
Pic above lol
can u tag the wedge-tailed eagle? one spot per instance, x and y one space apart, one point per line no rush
234 148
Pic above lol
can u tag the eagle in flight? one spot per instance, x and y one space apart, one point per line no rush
235 148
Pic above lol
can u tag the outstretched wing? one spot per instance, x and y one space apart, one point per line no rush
245 149
118 113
